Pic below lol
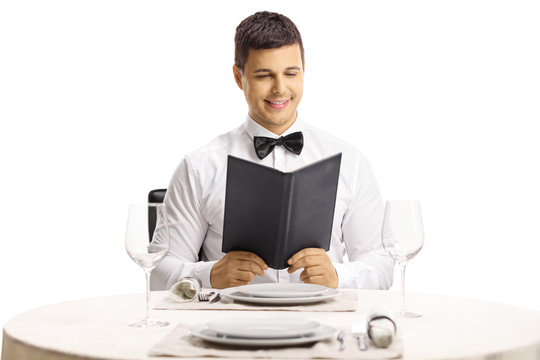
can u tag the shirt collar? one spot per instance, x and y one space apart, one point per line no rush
254 129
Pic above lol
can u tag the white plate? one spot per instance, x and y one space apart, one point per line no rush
321 333
282 290
263 328
234 294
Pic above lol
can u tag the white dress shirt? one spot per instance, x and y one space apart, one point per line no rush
196 197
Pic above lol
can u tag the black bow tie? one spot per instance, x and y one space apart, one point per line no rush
265 145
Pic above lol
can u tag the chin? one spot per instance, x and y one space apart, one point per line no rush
281 119
279 123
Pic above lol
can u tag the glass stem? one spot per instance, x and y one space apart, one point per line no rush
402 267
147 274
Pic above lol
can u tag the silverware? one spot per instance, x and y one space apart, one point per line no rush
359 330
341 339
205 296
216 298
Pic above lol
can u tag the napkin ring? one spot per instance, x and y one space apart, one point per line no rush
187 289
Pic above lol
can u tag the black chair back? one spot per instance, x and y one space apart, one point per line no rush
157 196
154 196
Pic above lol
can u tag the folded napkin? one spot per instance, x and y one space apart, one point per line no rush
347 300
181 344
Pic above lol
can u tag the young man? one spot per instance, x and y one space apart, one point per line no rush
269 69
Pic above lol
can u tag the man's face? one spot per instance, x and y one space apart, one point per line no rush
272 81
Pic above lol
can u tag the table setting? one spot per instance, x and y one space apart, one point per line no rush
269 336
236 299
274 336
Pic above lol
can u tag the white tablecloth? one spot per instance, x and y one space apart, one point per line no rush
451 328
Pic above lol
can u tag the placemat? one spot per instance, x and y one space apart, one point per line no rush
347 300
181 344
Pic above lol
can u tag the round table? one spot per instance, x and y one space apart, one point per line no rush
450 328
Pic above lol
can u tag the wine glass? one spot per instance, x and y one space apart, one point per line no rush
138 237
402 238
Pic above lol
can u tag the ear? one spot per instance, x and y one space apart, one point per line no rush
237 76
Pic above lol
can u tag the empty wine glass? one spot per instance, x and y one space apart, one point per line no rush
138 237
403 238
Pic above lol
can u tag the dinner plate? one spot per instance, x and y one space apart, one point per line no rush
282 290
321 333
263 328
234 294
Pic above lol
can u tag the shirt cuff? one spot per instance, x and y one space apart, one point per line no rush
345 278
202 272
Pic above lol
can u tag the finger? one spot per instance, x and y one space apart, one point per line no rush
318 279
246 265
299 264
244 276
241 283
303 253
312 271
249 256
235 282
306 261
295 267
322 276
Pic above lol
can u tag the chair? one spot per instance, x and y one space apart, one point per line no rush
157 196
154 196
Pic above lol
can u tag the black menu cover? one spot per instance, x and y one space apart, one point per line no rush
276 214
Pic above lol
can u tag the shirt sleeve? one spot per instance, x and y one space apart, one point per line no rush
369 266
187 230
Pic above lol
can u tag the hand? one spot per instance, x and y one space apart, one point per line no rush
318 269
236 268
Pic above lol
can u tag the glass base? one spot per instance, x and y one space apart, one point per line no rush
149 323
404 314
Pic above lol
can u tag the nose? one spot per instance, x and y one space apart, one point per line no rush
278 85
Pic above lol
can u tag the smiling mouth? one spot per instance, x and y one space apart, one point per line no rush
277 104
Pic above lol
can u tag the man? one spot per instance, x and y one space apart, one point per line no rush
269 69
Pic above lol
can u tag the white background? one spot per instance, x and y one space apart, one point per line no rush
100 100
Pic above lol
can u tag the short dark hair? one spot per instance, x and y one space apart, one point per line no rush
264 30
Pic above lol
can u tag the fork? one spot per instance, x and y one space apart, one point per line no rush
205 296
359 331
